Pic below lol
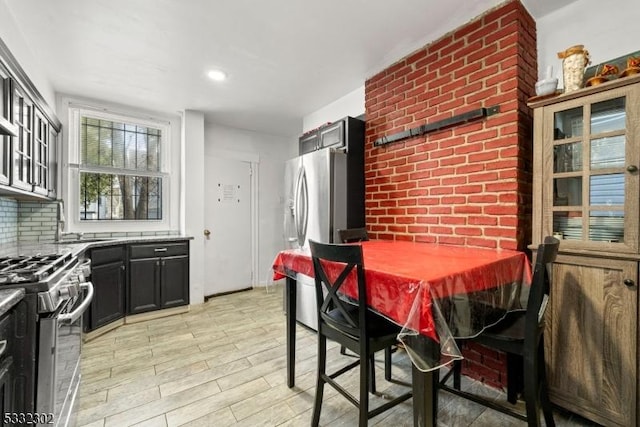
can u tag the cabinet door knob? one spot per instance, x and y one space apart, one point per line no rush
629 282
632 168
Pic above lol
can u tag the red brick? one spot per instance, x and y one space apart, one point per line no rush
467 210
453 200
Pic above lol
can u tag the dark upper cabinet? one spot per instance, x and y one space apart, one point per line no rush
22 171
309 142
7 129
41 154
347 133
28 135
52 169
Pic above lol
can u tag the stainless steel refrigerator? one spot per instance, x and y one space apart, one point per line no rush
324 192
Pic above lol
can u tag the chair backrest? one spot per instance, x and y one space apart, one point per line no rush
350 235
348 257
540 289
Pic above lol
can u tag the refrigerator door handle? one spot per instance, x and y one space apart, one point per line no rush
295 209
302 207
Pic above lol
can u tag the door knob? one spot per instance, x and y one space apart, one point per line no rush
207 233
628 282
632 168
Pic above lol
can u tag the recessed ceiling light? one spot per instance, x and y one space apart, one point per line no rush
217 75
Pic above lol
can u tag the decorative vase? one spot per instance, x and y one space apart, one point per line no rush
574 61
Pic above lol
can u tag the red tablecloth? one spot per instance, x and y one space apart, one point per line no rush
437 291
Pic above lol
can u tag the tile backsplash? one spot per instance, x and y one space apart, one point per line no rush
8 220
37 221
23 221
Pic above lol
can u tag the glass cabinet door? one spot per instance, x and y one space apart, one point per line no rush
594 181
5 114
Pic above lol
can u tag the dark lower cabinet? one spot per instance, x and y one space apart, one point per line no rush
158 276
108 275
137 278
174 281
144 285
6 395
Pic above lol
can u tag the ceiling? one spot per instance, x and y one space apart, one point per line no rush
284 58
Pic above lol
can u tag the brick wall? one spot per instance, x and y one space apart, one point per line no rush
469 184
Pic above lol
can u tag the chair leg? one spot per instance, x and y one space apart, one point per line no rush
372 374
387 363
365 369
545 402
457 372
532 390
514 377
343 350
322 364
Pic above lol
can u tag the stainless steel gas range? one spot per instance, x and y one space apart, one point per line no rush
58 291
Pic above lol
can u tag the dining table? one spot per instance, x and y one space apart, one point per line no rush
437 293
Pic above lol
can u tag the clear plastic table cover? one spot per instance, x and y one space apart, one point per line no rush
435 292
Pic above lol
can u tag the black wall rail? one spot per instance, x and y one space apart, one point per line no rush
440 124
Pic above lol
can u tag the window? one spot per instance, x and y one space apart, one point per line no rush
120 168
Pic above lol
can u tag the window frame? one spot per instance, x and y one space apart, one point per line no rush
75 167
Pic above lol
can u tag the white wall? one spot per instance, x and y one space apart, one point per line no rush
192 200
272 152
351 104
607 30
12 37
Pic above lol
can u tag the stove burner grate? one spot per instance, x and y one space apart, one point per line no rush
29 269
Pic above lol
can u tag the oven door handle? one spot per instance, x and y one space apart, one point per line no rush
67 319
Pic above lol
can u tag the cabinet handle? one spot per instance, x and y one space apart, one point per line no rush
628 282
160 250
122 267
632 168
3 346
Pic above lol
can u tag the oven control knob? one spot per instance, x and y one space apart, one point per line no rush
68 292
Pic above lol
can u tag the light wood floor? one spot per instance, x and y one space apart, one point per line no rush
223 364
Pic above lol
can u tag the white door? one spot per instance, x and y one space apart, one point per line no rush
228 218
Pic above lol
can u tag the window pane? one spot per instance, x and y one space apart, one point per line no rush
608 116
105 147
607 190
92 145
567 157
124 197
118 149
120 145
568 224
130 150
568 123
567 191
141 148
606 226
607 152
153 154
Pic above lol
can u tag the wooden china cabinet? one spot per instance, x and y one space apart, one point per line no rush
586 192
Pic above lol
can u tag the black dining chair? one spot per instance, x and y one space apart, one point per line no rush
520 336
351 325
354 235
351 235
